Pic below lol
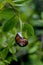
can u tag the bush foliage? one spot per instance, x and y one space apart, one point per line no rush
25 16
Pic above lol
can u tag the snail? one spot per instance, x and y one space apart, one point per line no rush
20 40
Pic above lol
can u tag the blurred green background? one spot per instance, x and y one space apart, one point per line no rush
25 16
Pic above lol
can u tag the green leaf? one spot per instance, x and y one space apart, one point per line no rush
1 43
26 12
12 50
2 63
19 1
9 59
38 32
7 13
32 39
10 24
2 4
34 58
10 2
36 22
27 28
4 53
10 42
14 58
34 49
42 15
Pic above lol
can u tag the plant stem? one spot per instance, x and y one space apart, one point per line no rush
20 24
